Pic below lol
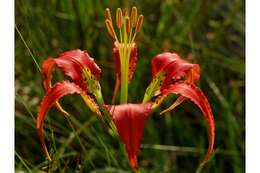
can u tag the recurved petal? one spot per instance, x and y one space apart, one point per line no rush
72 63
175 68
169 68
84 60
52 96
130 120
48 67
161 60
190 91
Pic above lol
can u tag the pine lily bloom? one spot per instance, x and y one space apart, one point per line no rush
83 71
171 74
174 75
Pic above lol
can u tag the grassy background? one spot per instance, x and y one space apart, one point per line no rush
208 33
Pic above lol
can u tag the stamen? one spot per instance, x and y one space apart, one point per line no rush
125 12
134 16
110 28
108 14
119 18
139 23
128 26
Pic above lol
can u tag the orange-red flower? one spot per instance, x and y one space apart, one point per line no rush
171 74
83 71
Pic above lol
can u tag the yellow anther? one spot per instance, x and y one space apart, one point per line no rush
110 28
134 16
108 14
139 23
119 18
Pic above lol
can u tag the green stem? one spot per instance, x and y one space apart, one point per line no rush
107 118
99 98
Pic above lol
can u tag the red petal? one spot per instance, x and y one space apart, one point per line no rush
71 63
130 120
84 59
52 96
132 64
132 61
174 68
193 93
117 61
48 67
161 60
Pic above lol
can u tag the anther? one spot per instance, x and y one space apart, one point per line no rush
128 26
110 28
125 12
108 14
134 16
119 18
139 23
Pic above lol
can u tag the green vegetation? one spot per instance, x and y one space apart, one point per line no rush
208 33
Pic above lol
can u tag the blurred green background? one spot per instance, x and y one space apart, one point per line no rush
210 33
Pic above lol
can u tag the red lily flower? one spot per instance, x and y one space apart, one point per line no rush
83 71
171 75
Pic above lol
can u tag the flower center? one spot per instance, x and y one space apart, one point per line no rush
127 29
